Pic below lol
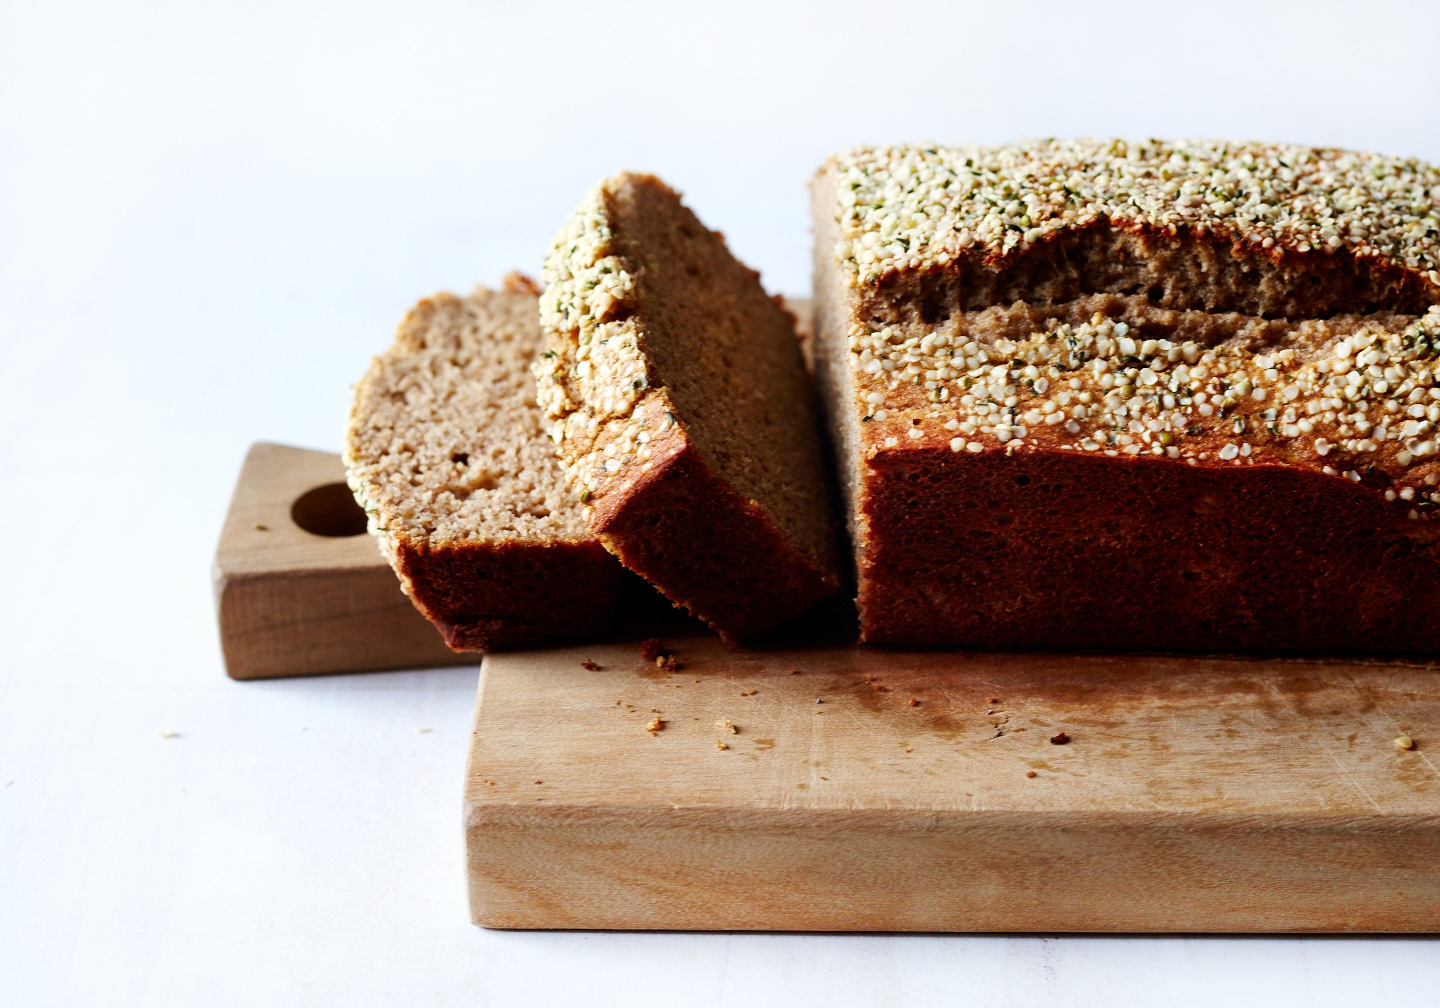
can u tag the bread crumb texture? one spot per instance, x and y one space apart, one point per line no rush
446 442
446 452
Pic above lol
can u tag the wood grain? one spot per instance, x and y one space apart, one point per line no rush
1195 794
293 603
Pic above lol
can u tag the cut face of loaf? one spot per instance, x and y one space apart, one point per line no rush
446 452
1163 395
682 412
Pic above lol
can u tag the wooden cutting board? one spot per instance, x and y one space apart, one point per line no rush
300 588
921 793
870 789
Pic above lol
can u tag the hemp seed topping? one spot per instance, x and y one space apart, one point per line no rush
1370 396
1115 374
911 207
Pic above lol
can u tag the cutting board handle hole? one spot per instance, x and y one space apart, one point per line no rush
328 510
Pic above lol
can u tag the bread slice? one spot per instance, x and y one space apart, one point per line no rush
1168 395
446 452
682 411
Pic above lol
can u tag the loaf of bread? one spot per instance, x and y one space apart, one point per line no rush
1135 395
447 454
681 410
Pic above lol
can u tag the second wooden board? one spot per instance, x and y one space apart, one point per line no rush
870 789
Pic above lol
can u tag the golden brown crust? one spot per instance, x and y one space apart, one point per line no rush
713 552
1176 266
493 596
516 282
1037 548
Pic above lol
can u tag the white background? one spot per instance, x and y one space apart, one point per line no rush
211 214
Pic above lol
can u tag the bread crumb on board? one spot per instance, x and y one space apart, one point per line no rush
721 745
1059 739
726 725
1029 773
653 650
590 666
1404 742
655 726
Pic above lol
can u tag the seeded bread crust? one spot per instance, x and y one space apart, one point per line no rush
682 412
446 451
1177 396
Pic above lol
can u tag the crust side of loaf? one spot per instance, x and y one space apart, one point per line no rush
680 525
1041 549
498 595
1262 229
1089 465
446 452
1173 267
659 337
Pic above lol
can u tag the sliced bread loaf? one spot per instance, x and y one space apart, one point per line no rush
1105 394
680 406
447 454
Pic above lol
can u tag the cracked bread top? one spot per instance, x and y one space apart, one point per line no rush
1220 304
907 208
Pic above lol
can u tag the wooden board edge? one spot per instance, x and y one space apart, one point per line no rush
734 869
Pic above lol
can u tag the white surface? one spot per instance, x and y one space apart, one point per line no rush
212 214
